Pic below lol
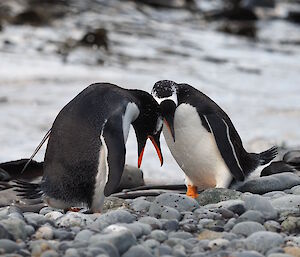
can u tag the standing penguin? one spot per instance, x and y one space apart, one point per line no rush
85 154
202 138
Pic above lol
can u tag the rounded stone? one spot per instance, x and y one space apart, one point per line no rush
140 205
251 215
272 225
84 235
50 253
53 215
247 254
177 201
279 255
218 243
8 246
71 252
4 234
137 251
150 243
261 204
262 241
170 225
180 235
247 228
170 213
153 222
162 250
15 227
288 202
44 232
216 195
159 235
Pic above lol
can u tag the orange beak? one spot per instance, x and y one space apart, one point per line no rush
158 151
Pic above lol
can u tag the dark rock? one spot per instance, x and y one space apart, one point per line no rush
98 38
250 4
167 3
294 16
170 225
237 208
4 176
215 195
34 17
245 29
233 14
277 167
276 182
292 157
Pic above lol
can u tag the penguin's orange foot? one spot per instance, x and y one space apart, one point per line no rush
74 209
192 191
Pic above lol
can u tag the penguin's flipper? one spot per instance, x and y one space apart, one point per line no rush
220 131
112 137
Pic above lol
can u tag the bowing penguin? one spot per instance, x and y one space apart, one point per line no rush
202 138
85 154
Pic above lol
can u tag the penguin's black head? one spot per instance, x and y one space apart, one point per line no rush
165 93
148 124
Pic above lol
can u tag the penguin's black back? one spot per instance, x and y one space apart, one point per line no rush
206 106
71 159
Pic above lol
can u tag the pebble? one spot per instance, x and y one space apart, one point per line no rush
218 243
288 202
35 219
153 222
44 232
247 228
71 252
162 250
170 213
181 235
16 227
247 254
279 255
53 215
122 239
251 215
291 224
272 225
159 235
137 251
150 243
177 201
259 203
8 246
4 234
216 195
50 253
275 182
74 219
140 205
262 241
170 225
113 217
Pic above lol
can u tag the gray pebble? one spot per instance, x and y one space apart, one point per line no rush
262 241
288 202
50 253
35 219
62 234
230 223
150 243
112 217
110 249
163 249
295 190
251 215
170 225
292 157
170 213
122 239
153 222
140 205
94 251
137 251
4 234
29 230
159 235
276 182
233 205
84 235
259 203
44 232
46 210
137 228
53 215
247 254
15 227
274 194
272 225
71 252
177 201
247 228
180 235
279 255
216 195
218 243
8 246
74 219
178 252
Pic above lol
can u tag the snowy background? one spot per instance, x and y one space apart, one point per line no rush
255 80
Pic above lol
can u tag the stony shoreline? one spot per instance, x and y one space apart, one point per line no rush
244 225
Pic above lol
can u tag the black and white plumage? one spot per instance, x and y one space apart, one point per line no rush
202 138
85 154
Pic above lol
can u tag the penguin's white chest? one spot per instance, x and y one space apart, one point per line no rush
196 151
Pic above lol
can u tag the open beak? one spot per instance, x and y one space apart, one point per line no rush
156 144
141 149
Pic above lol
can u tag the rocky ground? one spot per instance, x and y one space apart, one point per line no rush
240 225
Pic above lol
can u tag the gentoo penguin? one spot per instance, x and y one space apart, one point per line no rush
202 138
85 155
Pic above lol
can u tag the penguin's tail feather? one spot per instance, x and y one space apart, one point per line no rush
27 190
37 149
268 155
